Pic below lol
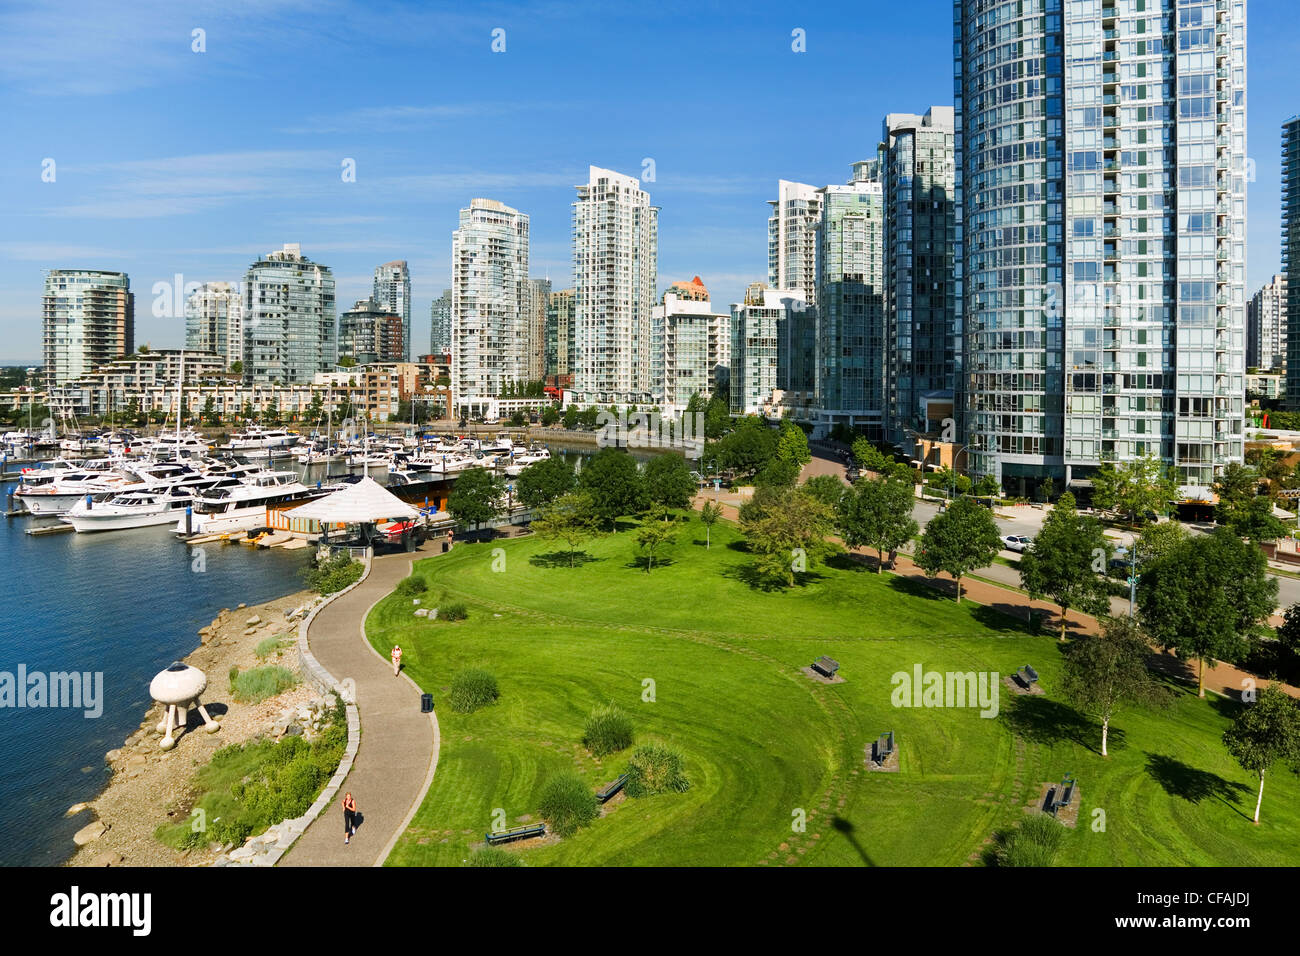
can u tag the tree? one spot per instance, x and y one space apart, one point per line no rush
1264 733
237 368
717 418
1157 540
987 487
868 456
347 361
571 417
1136 487
544 481
475 497
1063 562
518 419
877 513
1237 487
550 415
827 489
210 416
668 481
1288 638
709 516
787 531
655 534
748 447
616 486
570 518
1206 597
1256 521
1104 672
958 540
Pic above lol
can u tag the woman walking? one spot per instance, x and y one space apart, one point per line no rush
349 817
396 658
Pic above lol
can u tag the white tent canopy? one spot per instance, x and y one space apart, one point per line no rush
366 501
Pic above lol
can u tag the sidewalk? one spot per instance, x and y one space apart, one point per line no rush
399 745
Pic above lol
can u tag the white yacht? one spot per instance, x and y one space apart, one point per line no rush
46 498
129 509
255 437
245 506
523 459
188 444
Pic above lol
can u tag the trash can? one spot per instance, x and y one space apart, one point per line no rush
445 547
426 703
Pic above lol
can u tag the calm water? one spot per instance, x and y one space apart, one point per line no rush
125 603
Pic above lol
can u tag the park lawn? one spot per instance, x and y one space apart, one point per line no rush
763 743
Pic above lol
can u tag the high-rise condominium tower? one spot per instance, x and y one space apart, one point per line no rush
615 271
489 304
440 324
1291 254
1101 148
559 333
539 300
369 333
849 374
1266 324
289 319
392 294
792 237
214 321
922 335
88 319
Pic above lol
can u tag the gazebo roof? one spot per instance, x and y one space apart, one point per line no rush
365 501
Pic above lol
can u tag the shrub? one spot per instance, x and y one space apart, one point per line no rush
256 685
494 856
471 689
1034 842
269 646
567 803
453 611
411 587
332 574
655 768
246 788
608 730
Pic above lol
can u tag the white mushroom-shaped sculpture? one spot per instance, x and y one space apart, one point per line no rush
178 689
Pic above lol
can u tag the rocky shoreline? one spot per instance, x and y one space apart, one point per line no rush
150 787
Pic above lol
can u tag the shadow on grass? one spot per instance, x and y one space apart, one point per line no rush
1042 720
917 587
847 561
640 561
749 575
847 829
1181 780
1005 617
561 559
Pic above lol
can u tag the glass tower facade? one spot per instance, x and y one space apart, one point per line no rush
923 337
214 321
1101 148
289 319
1291 254
392 294
850 313
88 319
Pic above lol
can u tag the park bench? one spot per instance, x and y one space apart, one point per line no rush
1028 676
826 666
516 833
607 791
883 747
1064 793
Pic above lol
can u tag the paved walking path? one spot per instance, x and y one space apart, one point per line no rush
399 745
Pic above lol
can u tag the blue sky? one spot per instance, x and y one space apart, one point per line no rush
173 162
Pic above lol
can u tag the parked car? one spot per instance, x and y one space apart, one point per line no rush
1019 543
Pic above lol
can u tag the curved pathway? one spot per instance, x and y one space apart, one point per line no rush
399 745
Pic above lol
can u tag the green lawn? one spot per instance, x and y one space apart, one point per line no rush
762 741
